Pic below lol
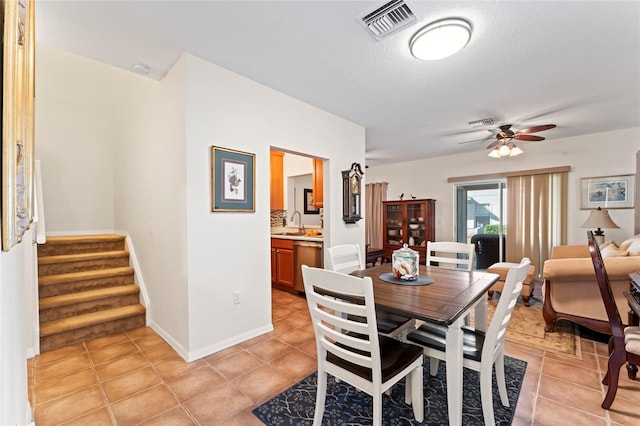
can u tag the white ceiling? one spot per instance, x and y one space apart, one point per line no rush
575 64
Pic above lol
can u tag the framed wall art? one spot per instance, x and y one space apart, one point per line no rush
18 68
607 192
309 208
232 180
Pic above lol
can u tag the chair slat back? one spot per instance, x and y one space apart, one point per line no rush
495 335
615 321
345 258
451 254
353 338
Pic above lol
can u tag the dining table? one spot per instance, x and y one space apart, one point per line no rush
445 301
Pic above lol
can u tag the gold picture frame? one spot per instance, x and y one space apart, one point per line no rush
18 91
233 182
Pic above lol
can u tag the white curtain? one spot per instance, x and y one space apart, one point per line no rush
375 194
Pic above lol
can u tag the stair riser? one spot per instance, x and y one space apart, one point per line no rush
53 249
82 265
67 311
59 340
91 284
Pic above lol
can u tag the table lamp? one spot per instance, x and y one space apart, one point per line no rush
599 219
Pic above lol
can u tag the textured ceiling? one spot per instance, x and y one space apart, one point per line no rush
575 64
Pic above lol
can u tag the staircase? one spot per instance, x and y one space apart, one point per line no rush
86 289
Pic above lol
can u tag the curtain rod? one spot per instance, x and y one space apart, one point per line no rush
501 175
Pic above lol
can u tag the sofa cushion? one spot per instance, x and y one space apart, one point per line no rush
631 245
612 250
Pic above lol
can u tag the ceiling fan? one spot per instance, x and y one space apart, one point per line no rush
503 140
506 135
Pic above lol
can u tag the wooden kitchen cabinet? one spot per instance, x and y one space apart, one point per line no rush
277 180
411 222
282 266
317 184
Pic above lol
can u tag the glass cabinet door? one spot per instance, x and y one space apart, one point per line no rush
416 216
395 224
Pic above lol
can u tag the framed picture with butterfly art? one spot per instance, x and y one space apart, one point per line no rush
232 180
18 165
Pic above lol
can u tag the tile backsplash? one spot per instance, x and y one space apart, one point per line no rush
278 218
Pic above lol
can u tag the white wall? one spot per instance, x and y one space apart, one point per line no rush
14 329
231 251
150 191
602 154
294 165
74 141
297 200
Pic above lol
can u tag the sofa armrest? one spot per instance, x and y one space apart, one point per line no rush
580 269
567 252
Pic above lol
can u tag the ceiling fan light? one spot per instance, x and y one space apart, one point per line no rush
440 39
515 151
504 151
494 153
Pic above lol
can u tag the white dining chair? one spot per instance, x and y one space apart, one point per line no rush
451 254
481 351
352 350
347 258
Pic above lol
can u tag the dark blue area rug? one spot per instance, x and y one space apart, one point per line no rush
347 406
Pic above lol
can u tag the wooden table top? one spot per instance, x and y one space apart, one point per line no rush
452 293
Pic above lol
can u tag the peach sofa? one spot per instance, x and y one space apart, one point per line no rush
570 288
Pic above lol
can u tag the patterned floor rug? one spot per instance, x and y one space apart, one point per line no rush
527 328
347 406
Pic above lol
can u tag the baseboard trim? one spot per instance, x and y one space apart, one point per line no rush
217 347
211 349
170 340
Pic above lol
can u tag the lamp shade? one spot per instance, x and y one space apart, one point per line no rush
599 219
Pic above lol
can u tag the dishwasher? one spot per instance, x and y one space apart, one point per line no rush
305 253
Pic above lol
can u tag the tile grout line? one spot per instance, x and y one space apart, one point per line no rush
163 383
99 383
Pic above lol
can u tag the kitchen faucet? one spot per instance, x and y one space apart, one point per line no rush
300 225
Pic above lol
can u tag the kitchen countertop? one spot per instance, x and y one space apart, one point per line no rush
319 238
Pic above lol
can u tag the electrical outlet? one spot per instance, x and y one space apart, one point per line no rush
236 297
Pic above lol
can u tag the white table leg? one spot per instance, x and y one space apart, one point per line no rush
481 314
454 372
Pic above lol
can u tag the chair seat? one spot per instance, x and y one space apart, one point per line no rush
435 336
632 340
394 357
387 323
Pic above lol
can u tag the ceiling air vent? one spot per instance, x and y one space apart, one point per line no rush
481 123
387 19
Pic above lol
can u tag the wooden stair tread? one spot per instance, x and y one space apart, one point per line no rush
92 238
85 296
64 258
84 275
87 320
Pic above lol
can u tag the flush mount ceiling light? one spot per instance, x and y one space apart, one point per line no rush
440 39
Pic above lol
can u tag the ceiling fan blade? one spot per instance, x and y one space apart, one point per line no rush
494 144
536 129
528 138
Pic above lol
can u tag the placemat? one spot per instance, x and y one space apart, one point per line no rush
421 280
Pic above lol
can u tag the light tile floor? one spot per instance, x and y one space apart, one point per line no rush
136 378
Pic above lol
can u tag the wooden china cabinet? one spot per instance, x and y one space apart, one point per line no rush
411 222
